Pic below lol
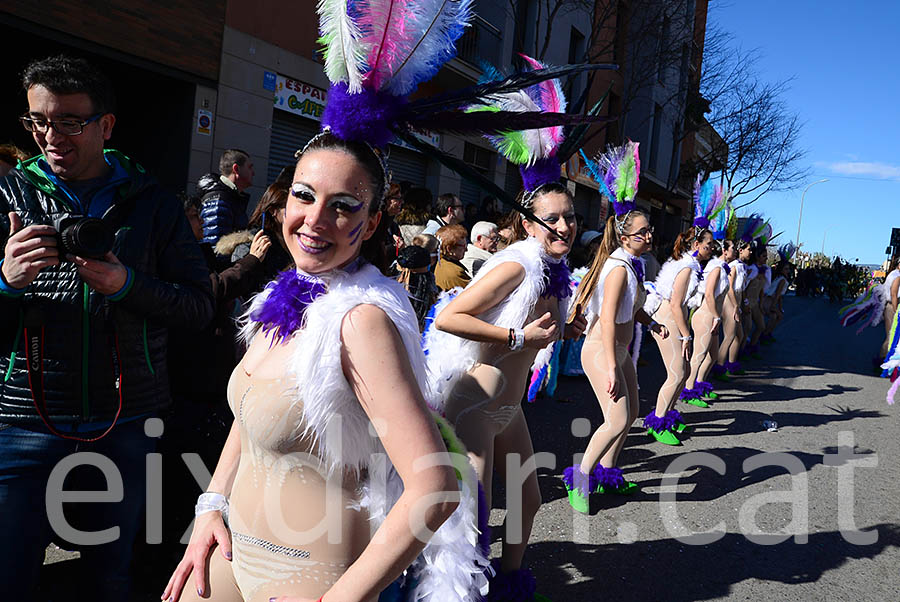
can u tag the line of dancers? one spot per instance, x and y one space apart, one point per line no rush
358 468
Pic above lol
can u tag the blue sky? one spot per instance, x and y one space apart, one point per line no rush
844 61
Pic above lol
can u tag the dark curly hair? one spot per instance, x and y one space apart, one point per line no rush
70 75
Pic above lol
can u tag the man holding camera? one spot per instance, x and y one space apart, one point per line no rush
98 263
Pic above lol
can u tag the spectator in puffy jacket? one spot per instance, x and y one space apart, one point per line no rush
94 325
223 198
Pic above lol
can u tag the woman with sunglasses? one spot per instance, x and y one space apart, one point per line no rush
612 293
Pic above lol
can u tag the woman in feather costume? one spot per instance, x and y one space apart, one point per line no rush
712 211
321 492
671 296
490 336
773 295
732 333
613 295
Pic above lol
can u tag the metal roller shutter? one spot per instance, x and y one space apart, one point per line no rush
407 165
289 133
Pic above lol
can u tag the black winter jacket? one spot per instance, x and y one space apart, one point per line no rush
82 328
224 209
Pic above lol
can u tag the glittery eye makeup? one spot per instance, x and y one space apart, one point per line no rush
346 203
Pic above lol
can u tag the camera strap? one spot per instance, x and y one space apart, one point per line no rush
34 355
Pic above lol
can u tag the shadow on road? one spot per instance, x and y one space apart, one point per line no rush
670 570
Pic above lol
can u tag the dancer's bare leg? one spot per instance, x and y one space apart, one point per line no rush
712 357
759 324
515 439
476 411
617 417
611 457
701 324
729 332
888 321
675 363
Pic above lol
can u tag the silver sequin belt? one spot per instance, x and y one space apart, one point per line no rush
269 546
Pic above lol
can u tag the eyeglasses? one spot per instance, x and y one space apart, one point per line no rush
643 232
66 127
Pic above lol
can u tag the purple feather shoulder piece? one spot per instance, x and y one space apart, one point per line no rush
558 280
289 296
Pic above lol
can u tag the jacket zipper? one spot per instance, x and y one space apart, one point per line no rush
85 348
147 350
12 356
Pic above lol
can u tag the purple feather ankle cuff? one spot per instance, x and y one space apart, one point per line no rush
657 423
577 480
609 477
733 366
689 394
703 387
674 417
514 586
719 369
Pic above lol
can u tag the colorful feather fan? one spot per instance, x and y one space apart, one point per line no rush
721 215
617 171
533 150
749 227
706 197
732 231
786 251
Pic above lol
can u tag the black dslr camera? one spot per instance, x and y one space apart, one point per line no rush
83 236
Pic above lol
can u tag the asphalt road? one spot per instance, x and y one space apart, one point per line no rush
816 382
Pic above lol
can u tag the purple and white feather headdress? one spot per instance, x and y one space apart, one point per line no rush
618 172
377 52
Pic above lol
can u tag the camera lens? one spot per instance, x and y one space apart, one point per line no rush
88 237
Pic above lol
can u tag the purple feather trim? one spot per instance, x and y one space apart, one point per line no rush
689 394
719 369
544 171
575 479
515 586
701 222
657 423
703 387
638 264
674 417
559 280
364 117
733 366
484 535
609 477
289 296
624 208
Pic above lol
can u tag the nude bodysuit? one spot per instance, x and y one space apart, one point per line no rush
291 535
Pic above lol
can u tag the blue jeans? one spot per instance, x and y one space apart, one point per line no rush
27 459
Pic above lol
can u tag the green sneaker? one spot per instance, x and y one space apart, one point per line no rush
627 488
696 402
711 395
724 378
579 501
680 427
740 372
540 598
664 437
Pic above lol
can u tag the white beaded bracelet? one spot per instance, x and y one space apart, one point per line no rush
519 339
212 502
687 338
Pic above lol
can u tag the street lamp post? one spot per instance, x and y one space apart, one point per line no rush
800 219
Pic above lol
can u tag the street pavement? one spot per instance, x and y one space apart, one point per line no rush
816 382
